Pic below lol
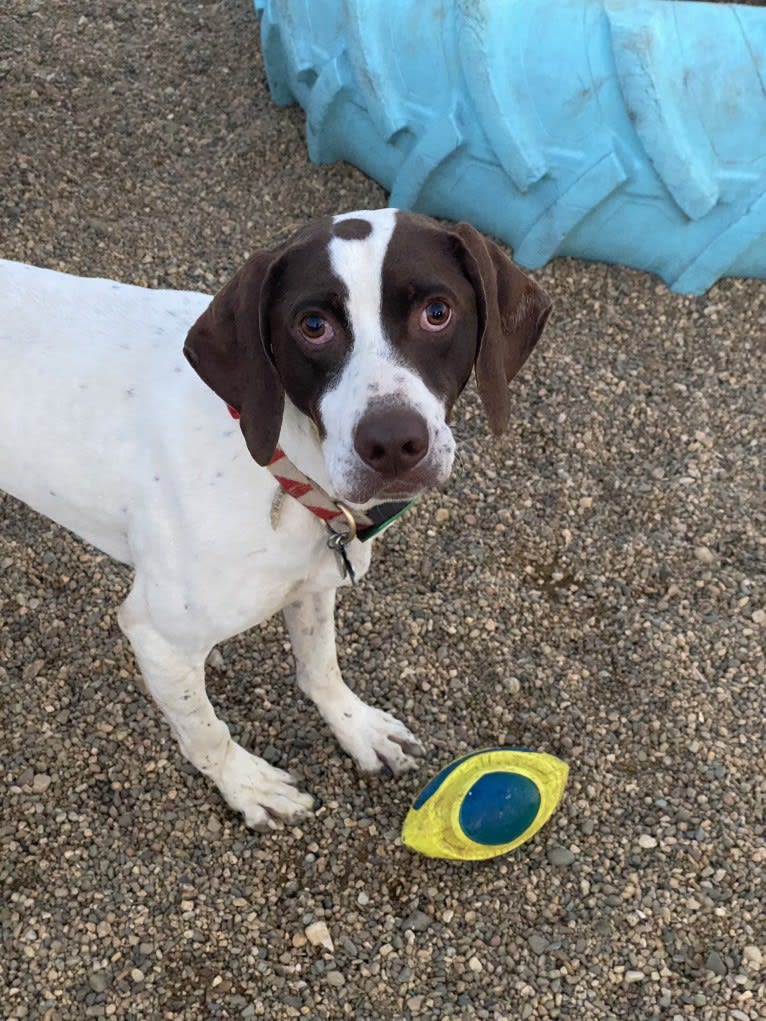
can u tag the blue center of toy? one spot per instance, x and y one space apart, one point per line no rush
499 808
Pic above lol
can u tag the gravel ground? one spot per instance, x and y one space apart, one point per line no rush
592 585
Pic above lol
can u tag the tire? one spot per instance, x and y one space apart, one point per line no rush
629 131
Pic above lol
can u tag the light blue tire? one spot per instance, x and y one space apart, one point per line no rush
629 131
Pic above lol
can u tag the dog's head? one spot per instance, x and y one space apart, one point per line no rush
370 324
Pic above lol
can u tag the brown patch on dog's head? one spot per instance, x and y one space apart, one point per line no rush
421 266
499 311
352 229
247 346
232 346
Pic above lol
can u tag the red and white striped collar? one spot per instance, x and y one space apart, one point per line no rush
339 518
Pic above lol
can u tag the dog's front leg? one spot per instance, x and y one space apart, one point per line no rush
174 672
375 739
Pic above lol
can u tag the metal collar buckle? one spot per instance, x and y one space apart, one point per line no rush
339 540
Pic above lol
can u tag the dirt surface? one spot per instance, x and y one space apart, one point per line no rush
591 585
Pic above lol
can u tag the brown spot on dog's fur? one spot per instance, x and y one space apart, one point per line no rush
354 229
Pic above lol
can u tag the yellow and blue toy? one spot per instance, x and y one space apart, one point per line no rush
485 804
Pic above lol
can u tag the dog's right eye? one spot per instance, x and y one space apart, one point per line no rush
315 328
435 316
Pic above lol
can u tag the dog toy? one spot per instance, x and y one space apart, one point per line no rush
485 804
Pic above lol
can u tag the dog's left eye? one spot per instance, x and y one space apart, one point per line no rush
435 316
315 328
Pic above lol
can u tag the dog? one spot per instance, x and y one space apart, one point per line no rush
340 354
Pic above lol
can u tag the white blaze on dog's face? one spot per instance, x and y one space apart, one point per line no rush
385 429
370 325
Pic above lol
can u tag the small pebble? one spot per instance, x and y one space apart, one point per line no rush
418 921
715 963
560 856
704 555
216 660
753 955
319 935
98 981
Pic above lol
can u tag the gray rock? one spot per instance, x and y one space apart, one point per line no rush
99 981
560 856
715 963
418 921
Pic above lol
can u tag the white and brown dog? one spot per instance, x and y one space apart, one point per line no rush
344 350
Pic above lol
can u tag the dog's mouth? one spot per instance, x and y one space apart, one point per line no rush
369 488
397 491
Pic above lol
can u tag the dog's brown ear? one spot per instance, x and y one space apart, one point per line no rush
228 347
513 310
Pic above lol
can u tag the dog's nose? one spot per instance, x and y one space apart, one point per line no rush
391 440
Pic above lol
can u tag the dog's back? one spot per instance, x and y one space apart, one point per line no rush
75 357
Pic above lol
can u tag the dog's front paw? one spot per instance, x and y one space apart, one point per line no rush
377 741
265 795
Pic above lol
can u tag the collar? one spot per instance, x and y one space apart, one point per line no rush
337 516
